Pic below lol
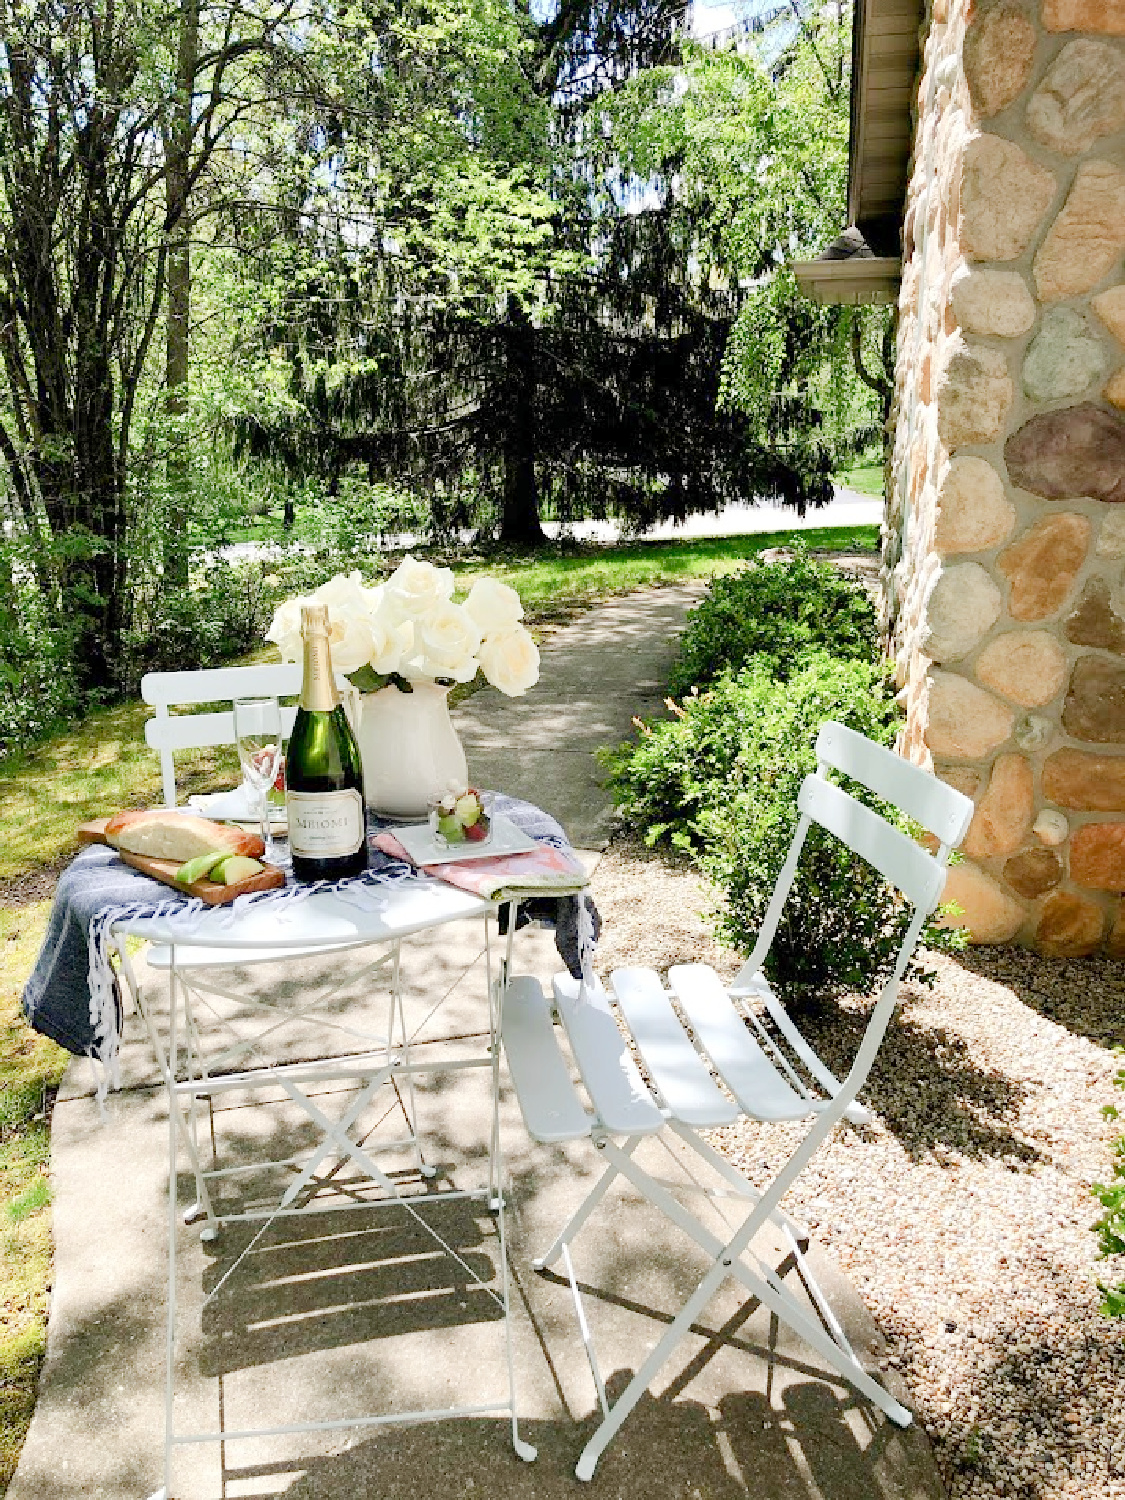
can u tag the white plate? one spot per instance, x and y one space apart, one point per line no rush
418 841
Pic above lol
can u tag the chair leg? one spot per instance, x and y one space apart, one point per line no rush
571 1228
727 1262
641 1381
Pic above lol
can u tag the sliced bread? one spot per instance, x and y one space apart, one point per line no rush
162 834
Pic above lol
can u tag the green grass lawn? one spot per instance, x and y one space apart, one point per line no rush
101 765
868 479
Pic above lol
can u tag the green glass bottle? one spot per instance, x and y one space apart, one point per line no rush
323 772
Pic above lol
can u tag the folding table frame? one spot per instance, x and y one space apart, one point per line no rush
744 1038
325 924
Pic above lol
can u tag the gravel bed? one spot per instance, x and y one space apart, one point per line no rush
963 1212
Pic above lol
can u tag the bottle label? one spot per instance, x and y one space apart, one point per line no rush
325 825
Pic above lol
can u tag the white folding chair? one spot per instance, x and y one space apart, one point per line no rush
744 1036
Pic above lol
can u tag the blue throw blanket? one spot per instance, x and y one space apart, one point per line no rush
72 993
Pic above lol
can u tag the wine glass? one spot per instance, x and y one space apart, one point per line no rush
257 730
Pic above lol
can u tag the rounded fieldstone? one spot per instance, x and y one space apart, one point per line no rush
1043 564
998 53
1033 872
1110 307
1081 97
1064 358
994 302
1073 452
1085 781
1111 538
1003 816
1106 16
1004 195
964 722
964 606
1050 827
973 511
1097 856
1070 925
1028 666
974 395
1095 705
1086 240
1115 389
964 779
986 909
1095 622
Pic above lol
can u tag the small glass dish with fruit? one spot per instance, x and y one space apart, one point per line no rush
461 817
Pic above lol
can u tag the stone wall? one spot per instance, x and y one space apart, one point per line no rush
1004 550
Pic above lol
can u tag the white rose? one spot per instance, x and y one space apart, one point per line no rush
391 644
285 629
415 588
350 635
493 605
510 660
445 645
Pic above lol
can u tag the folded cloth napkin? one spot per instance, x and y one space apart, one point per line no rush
71 995
239 805
545 870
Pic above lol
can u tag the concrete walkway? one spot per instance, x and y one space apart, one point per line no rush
344 1313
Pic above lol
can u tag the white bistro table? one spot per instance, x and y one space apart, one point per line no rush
324 923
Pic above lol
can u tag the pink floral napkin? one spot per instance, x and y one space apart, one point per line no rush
543 870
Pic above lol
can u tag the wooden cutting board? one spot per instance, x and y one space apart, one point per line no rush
210 891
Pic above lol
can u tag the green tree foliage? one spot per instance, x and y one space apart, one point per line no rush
751 146
88 98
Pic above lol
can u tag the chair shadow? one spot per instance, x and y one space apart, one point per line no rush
669 1447
316 1283
953 1103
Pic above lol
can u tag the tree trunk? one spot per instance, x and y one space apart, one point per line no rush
178 326
519 515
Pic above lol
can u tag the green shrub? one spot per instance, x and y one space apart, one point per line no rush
1110 1228
720 780
772 612
223 613
37 686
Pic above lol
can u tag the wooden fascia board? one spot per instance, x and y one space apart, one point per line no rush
858 281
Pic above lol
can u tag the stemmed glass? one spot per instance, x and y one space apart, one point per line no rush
257 729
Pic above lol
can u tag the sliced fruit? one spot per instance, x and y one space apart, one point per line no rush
468 809
201 865
477 832
449 826
236 867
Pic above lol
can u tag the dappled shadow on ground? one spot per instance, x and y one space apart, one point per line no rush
331 1280
925 1085
672 1448
1087 996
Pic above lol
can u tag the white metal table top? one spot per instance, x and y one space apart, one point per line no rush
325 918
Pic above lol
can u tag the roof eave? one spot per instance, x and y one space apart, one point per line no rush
859 282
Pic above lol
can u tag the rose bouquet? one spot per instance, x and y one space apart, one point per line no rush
409 630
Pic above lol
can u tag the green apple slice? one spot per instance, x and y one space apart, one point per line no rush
201 866
236 867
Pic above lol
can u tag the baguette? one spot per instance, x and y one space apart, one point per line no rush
162 834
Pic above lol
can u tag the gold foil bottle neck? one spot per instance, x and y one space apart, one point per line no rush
318 684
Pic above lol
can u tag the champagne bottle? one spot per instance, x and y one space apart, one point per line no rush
323 773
